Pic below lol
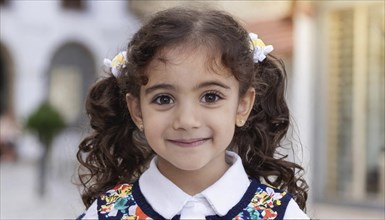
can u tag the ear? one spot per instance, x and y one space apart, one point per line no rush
245 106
133 106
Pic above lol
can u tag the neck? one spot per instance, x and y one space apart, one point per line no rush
193 182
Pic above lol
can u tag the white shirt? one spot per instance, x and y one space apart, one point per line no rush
212 201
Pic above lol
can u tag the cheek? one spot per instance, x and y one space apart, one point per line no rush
153 134
224 134
223 123
155 125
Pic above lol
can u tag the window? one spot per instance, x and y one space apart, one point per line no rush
4 2
70 74
3 85
73 4
356 100
340 103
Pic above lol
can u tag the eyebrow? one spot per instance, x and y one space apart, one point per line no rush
166 86
159 86
212 83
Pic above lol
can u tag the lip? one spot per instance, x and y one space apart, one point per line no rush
188 143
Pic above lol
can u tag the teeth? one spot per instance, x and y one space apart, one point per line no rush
191 141
188 141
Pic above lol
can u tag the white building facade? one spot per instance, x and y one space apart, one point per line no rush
48 45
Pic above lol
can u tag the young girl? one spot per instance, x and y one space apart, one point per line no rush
187 126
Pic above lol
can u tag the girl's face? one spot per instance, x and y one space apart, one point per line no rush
188 110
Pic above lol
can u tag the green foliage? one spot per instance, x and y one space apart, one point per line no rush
46 122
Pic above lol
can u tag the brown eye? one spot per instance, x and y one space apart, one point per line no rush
163 100
211 97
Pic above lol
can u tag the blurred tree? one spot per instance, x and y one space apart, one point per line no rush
46 122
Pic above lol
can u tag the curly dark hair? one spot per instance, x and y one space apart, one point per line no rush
116 152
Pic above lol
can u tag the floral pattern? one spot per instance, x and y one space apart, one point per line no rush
119 203
262 205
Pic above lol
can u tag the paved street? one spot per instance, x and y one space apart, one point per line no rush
19 182
20 200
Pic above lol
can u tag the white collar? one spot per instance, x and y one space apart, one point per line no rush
156 187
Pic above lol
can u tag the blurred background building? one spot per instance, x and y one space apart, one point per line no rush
334 55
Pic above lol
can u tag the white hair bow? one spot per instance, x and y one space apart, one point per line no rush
116 64
259 48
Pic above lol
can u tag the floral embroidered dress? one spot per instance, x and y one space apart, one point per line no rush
127 202
233 196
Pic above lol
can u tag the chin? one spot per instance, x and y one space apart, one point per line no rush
189 166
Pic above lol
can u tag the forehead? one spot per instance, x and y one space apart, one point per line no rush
205 55
188 68
189 56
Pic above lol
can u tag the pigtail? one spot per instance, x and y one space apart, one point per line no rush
257 142
111 153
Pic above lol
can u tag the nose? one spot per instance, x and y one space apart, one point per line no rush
187 117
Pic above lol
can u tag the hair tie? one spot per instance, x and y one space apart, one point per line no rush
117 64
260 50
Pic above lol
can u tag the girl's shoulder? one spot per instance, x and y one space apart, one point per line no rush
270 193
116 203
119 203
119 191
264 201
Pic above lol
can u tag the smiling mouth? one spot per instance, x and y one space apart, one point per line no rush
189 142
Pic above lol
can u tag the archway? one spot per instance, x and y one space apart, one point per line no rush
6 81
8 126
71 72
